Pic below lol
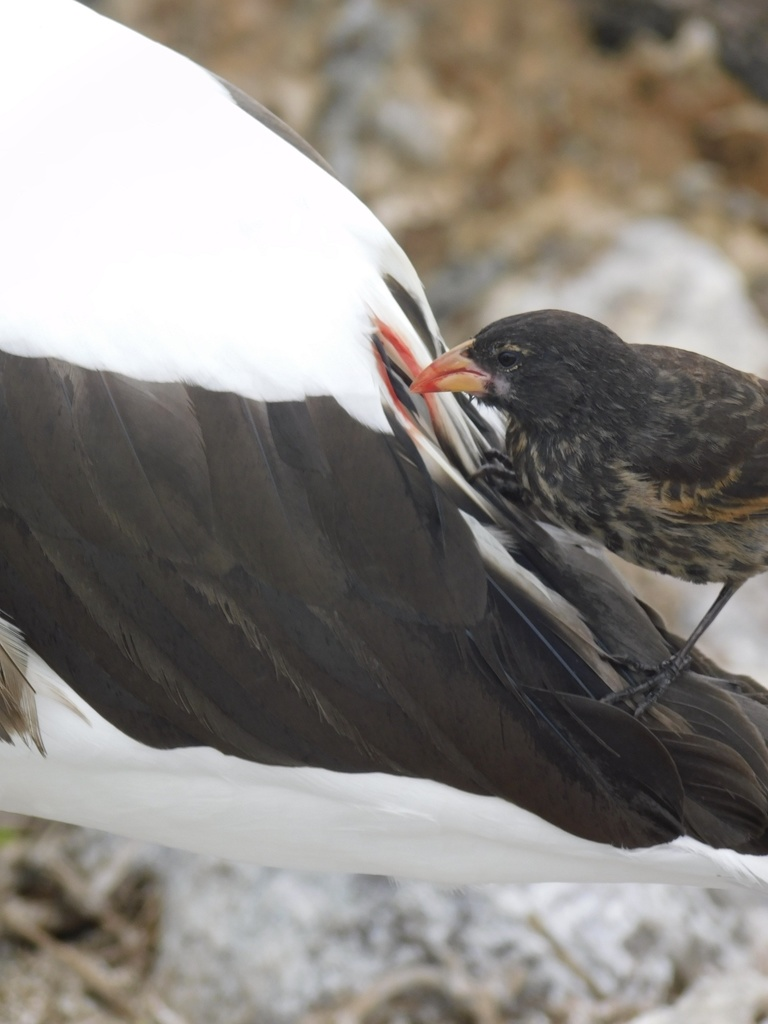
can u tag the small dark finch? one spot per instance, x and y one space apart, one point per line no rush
659 454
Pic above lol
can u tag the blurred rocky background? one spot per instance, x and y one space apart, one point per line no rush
607 156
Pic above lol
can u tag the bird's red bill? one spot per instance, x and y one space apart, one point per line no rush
454 371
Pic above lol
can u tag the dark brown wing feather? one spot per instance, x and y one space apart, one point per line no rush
18 713
706 447
282 583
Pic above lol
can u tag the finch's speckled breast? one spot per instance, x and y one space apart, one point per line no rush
596 495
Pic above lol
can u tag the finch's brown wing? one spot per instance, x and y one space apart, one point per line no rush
703 456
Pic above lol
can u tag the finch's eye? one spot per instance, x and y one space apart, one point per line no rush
507 358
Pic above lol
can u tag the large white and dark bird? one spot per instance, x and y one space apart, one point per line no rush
255 601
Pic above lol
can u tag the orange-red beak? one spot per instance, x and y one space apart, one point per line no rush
453 371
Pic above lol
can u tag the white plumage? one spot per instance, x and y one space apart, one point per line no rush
177 237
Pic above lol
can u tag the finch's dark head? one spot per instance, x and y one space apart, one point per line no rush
538 366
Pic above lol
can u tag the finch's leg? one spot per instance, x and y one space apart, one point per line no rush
665 673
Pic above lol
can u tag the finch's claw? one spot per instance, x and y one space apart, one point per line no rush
493 455
498 472
649 690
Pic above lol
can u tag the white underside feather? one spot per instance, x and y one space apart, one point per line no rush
314 819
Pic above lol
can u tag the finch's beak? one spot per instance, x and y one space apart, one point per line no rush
453 371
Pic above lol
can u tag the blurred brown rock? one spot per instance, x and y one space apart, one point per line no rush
741 25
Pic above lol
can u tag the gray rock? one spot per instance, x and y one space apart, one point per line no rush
657 284
240 944
740 998
363 38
